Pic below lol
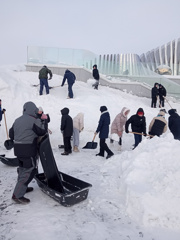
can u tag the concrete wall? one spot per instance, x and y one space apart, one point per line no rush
82 74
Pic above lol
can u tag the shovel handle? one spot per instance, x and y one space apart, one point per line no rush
142 134
167 102
94 137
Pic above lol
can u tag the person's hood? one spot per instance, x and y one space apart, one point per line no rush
103 108
125 111
140 110
156 84
65 111
79 115
172 111
67 71
30 109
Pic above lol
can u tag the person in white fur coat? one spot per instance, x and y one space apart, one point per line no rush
117 126
78 126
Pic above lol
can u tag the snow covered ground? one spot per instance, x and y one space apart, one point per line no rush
134 194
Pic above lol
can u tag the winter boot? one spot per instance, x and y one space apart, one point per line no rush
29 189
22 200
76 149
65 153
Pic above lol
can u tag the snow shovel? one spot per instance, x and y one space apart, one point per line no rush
91 145
9 144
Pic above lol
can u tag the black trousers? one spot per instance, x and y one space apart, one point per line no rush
104 147
67 144
154 101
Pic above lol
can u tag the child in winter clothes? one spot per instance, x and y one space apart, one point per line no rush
118 124
103 130
158 125
78 126
138 125
174 123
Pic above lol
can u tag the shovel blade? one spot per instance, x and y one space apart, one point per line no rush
90 145
9 144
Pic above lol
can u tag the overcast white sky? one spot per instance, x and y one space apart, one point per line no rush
101 26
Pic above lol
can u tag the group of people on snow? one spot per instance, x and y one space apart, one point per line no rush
158 92
68 75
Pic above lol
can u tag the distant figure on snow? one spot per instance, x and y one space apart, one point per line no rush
67 130
103 130
174 123
2 111
158 125
43 77
162 95
70 80
154 95
117 126
78 126
138 125
95 74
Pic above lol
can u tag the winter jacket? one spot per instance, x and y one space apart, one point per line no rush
43 73
174 123
158 125
95 74
66 123
70 78
154 91
78 121
138 123
25 131
119 121
162 91
103 126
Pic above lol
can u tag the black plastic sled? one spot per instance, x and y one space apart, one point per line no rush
13 162
63 188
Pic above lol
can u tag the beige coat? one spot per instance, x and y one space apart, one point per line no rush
78 121
161 118
119 122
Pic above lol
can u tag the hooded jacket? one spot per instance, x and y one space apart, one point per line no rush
104 121
154 91
43 73
138 123
78 121
70 78
174 123
158 125
119 121
25 131
95 74
66 123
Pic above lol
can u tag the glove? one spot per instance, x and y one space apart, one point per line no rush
145 134
50 78
4 110
127 131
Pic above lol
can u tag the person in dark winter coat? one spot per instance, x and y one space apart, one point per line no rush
43 77
162 95
67 130
70 80
158 125
154 95
174 123
95 74
25 131
2 111
103 130
138 125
